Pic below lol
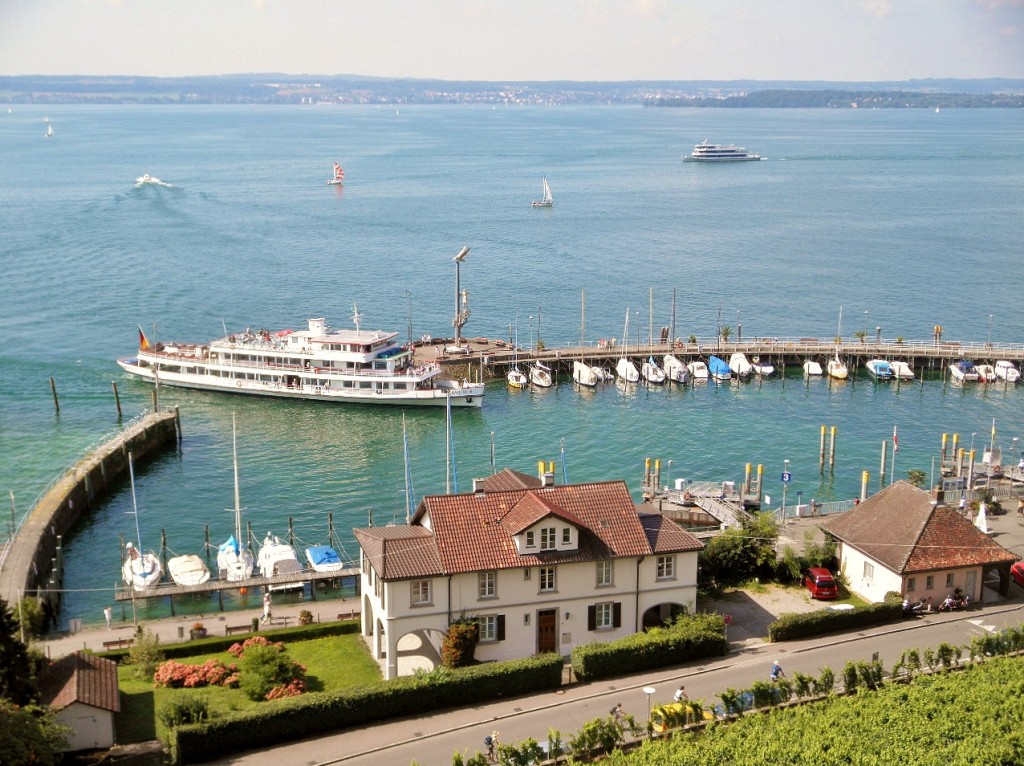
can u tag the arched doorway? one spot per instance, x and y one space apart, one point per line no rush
661 614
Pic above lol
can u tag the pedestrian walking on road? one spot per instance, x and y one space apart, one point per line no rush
266 607
777 672
618 714
108 614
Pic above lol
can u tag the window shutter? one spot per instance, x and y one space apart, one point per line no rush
591 617
499 629
617 614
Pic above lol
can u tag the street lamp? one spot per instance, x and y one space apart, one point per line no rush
649 690
878 334
461 299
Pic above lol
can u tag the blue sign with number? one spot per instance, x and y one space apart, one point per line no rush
786 477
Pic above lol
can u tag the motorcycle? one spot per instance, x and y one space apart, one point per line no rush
952 603
913 609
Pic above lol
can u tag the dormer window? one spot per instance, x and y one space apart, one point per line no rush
566 536
530 541
547 538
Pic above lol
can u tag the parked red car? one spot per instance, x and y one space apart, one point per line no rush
820 583
1017 573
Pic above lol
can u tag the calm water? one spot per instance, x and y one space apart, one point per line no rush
906 219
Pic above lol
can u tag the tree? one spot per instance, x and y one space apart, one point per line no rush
15 669
739 554
725 331
30 735
459 643
916 477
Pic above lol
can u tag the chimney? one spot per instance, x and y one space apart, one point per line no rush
478 486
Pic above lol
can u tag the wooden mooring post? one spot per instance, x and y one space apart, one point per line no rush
53 390
117 399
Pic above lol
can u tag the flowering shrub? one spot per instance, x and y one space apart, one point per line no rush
268 673
293 689
175 675
236 650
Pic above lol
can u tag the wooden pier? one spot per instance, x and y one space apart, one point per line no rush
495 357
218 586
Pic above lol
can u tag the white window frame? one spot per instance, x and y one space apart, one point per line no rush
530 541
488 628
421 593
487 584
566 535
548 539
548 580
605 574
666 567
604 616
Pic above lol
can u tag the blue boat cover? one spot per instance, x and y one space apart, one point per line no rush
230 545
322 554
718 366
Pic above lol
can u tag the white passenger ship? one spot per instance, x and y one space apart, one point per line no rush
363 366
705 152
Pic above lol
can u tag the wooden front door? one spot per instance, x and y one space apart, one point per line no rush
547 640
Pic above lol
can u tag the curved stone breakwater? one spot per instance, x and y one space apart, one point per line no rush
30 563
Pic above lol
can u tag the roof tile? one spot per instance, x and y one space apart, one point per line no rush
81 677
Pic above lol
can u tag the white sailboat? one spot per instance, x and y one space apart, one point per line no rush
540 375
836 367
278 558
516 377
188 569
651 372
812 368
49 131
584 374
739 365
546 199
761 368
339 176
141 568
625 368
234 560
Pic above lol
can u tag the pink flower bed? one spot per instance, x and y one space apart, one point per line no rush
212 672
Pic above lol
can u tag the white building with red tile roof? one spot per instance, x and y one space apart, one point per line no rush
900 540
540 568
82 690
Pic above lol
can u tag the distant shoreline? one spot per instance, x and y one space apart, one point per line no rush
250 89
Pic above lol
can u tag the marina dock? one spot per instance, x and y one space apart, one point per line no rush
495 357
167 589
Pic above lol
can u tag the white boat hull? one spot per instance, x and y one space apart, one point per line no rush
675 370
142 571
812 368
962 375
379 391
879 369
278 558
584 374
902 370
540 375
1006 371
698 371
188 570
627 371
652 373
739 365
837 369
986 373
517 378
233 567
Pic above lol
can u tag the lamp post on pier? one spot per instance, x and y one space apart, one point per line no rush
461 299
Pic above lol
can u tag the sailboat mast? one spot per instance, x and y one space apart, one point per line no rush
672 332
650 318
238 503
583 316
135 508
408 483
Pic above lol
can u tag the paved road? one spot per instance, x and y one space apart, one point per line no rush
431 739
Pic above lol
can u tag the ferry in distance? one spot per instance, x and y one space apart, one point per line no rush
705 152
361 366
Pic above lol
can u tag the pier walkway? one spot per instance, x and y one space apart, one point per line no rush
215 586
495 357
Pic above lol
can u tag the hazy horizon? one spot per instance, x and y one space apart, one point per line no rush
577 40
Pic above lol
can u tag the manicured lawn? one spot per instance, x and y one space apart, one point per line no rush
332 663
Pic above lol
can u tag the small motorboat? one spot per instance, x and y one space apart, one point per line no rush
879 369
675 370
986 373
604 375
739 365
964 371
323 558
1006 371
812 368
278 558
901 370
719 369
698 371
762 368
188 570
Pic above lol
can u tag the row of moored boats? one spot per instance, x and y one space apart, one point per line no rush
740 366
142 570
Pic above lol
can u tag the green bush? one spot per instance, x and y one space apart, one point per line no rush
145 655
311 714
264 667
191 709
689 637
790 627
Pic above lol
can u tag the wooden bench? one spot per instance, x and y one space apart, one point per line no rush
118 643
349 615
232 629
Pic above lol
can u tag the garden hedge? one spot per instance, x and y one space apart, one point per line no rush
691 637
310 714
790 627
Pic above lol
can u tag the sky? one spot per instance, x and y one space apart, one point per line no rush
507 40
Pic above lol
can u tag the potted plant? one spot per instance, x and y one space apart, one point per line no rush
198 631
305 617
